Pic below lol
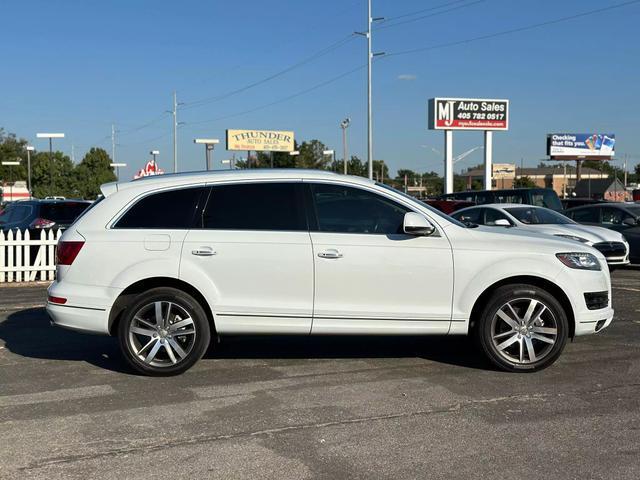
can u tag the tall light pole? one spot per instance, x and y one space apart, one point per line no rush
209 144
370 56
117 167
50 136
30 149
344 124
154 154
294 153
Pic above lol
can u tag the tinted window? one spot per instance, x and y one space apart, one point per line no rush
491 215
613 216
538 216
470 216
255 206
352 210
587 215
62 213
484 197
546 198
173 209
510 197
15 213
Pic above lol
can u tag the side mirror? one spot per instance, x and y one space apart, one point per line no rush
630 222
416 224
502 222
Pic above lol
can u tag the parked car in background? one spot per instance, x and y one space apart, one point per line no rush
168 262
569 202
543 220
621 217
541 197
448 206
35 215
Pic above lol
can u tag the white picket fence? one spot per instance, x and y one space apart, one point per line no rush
17 264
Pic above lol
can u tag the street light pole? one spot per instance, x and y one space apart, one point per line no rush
50 136
344 124
29 150
209 144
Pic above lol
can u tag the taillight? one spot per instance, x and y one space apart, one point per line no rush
67 252
42 223
58 300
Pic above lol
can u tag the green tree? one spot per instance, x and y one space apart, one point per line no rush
52 178
12 149
355 166
91 172
524 182
312 156
280 160
380 171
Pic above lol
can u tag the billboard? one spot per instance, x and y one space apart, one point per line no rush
468 114
260 140
581 145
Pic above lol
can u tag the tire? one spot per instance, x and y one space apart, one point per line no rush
168 346
513 344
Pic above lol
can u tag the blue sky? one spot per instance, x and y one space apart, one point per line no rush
77 66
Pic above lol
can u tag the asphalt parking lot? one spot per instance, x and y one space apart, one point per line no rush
296 408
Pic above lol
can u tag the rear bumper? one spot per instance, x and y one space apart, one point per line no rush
84 319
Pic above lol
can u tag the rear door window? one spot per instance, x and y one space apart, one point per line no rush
256 206
475 215
587 215
491 215
169 209
612 216
62 213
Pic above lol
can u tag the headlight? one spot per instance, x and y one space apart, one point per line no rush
581 261
573 237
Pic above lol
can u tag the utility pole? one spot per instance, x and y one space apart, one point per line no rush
113 143
370 56
175 132
625 170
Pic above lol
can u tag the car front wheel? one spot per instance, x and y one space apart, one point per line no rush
164 332
522 329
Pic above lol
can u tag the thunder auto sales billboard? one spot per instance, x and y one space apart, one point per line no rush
582 145
260 140
468 114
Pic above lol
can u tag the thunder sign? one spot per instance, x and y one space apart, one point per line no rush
468 114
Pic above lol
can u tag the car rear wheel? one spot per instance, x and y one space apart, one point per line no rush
522 329
164 332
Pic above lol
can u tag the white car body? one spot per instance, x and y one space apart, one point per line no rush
589 235
278 282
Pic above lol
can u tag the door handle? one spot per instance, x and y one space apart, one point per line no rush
331 253
203 252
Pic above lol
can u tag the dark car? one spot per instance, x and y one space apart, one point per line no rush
449 206
540 197
568 203
36 215
621 217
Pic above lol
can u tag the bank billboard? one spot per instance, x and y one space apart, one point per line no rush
581 145
260 140
468 114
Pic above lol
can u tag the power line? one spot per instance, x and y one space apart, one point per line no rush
285 99
148 124
411 20
315 56
514 30
417 12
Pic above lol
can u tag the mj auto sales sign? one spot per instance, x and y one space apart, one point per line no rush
468 114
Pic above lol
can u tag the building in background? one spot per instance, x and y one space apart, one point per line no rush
611 189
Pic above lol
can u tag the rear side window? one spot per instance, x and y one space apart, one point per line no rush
546 198
589 215
62 213
172 209
470 216
15 213
256 206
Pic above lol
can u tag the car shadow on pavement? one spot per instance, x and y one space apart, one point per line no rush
29 334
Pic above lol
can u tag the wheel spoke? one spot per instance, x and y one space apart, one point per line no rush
507 319
177 348
180 333
530 350
168 317
513 312
147 345
182 323
537 316
521 343
159 319
169 350
153 352
543 338
504 334
532 306
546 330
508 342
144 322
143 331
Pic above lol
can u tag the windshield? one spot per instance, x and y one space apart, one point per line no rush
538 216
423 205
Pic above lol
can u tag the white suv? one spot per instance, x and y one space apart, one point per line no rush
167 262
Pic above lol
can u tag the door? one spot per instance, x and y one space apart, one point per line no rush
369 276
252 254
